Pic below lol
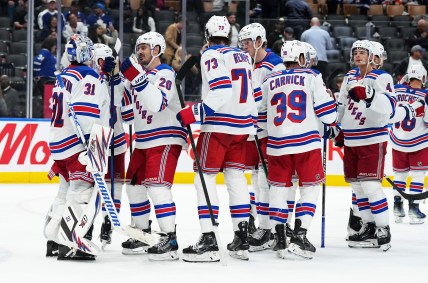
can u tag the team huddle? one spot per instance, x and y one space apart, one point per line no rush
258 112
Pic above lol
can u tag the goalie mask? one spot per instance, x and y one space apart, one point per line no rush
79 49
152 39
217 26
101 51
291 51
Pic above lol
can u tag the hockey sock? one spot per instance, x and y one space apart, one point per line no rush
306 205
203 212
53 218
417 184
378 202
362 202
164 207
140 205
355 209
254 193
400 179
117 197
291 200
278 209
263 200
238 198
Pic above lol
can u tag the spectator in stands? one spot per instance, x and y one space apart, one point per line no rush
320 40
20 17
3 106
220 6
287 35
51 28
75 9
173 39
10 96
73 27
415 58
152 6
98 34
44 65
276 34
420 35
99 17
143 22
44 17
298 15
234 29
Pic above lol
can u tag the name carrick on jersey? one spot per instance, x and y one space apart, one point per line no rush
270 64
295 100
409 135
227 91
85 90
155 120
363 123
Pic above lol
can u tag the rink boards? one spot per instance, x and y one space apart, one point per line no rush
25 155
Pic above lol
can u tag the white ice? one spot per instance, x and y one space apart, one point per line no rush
23 247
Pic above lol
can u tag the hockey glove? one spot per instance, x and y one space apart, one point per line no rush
337 136
190 115
360 92
426 99
109 65
134 73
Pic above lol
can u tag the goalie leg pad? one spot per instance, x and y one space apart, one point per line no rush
53 217
164 207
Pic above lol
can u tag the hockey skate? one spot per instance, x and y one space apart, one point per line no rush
280 246
299 244
205 250
67 253
252 225
383 238
416 216
165 249
365 238
106 231
354 224
288 233
260 240
398 209
239 247
135 247
51 249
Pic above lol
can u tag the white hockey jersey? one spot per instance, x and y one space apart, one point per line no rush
363 123
295 100
155 120
409 135
227 92
87 93
270 64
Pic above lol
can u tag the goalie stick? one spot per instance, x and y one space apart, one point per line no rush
100 184
184 70
420 196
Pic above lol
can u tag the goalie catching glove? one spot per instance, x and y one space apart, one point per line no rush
134 73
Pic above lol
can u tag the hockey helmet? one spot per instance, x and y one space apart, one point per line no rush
252 31
312 54
417 72
291 51
79 49
379 51
361 44
152 39
217 26
101 51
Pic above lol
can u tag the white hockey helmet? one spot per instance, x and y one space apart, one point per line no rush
79 49
101 51
252 31
312 54
152 39
217 26
417 72
291 51
361 44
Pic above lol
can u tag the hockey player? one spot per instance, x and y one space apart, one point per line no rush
86 93
409 140
105 64
228 115
295 99
158 144
252 39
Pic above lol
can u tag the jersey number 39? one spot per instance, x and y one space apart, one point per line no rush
295 101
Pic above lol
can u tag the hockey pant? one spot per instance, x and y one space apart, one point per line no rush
54 215
239 202
416 186
372 202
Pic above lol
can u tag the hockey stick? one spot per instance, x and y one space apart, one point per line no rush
131 232
324 161
180 76
259 150
420 196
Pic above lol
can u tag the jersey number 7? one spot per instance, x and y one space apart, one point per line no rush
242 74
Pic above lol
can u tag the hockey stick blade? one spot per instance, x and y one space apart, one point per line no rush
420 196
117 47
186 67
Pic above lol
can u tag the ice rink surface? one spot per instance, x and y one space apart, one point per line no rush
22 247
